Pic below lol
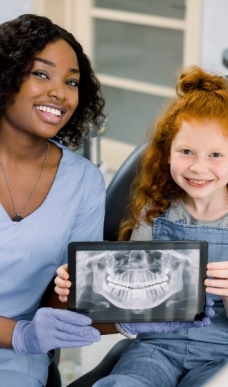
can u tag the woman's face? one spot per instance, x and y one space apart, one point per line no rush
49 96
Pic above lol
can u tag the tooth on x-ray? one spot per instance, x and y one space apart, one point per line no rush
137 279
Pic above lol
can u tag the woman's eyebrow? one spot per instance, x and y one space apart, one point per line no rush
52 64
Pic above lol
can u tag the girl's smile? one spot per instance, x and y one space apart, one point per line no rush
198 183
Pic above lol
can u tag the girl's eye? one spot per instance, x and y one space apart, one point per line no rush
215 154
73 82
40 74
186 151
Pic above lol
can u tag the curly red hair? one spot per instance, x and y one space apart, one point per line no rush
200 96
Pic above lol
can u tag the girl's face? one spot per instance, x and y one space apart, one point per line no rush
49 96
199 159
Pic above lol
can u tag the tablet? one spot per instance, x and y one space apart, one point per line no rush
138 281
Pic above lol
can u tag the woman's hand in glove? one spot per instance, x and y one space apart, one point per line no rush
53 328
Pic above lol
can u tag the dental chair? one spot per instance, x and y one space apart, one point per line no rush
117 193
54 378
116 200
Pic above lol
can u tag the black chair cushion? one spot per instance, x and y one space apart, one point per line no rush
54 378
117 194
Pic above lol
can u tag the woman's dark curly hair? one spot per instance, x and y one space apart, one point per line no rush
20 41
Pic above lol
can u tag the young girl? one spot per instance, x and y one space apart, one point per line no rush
180 193
49 195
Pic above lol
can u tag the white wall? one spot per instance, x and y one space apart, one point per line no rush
214 38
214 34
13 8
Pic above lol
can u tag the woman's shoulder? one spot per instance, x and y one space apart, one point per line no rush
77 171
71 158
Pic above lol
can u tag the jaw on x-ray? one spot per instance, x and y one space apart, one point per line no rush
137 279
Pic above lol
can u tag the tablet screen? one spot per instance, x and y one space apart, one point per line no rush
138 281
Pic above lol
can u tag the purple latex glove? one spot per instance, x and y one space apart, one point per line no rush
170 326
51 329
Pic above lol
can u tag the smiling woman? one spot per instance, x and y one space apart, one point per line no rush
49 195
50 91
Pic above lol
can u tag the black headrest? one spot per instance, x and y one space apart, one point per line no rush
225 58
118 193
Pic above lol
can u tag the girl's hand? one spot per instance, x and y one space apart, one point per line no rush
62 283
218 284
128 329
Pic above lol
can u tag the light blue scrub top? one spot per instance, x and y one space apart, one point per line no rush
31 250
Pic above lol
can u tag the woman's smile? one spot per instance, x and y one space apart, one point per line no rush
49 114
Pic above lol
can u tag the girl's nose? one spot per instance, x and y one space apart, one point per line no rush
199 167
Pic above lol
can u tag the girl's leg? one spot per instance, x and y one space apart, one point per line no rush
199 376
145 365
202 362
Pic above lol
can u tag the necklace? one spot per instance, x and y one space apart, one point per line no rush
17 218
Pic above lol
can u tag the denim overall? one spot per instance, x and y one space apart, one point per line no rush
186 358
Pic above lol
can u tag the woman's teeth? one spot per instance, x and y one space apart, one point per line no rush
55 112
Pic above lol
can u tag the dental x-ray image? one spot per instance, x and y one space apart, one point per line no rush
138 281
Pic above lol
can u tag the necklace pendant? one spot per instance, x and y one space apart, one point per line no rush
17 218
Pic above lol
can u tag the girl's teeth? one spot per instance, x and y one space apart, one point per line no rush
198 182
